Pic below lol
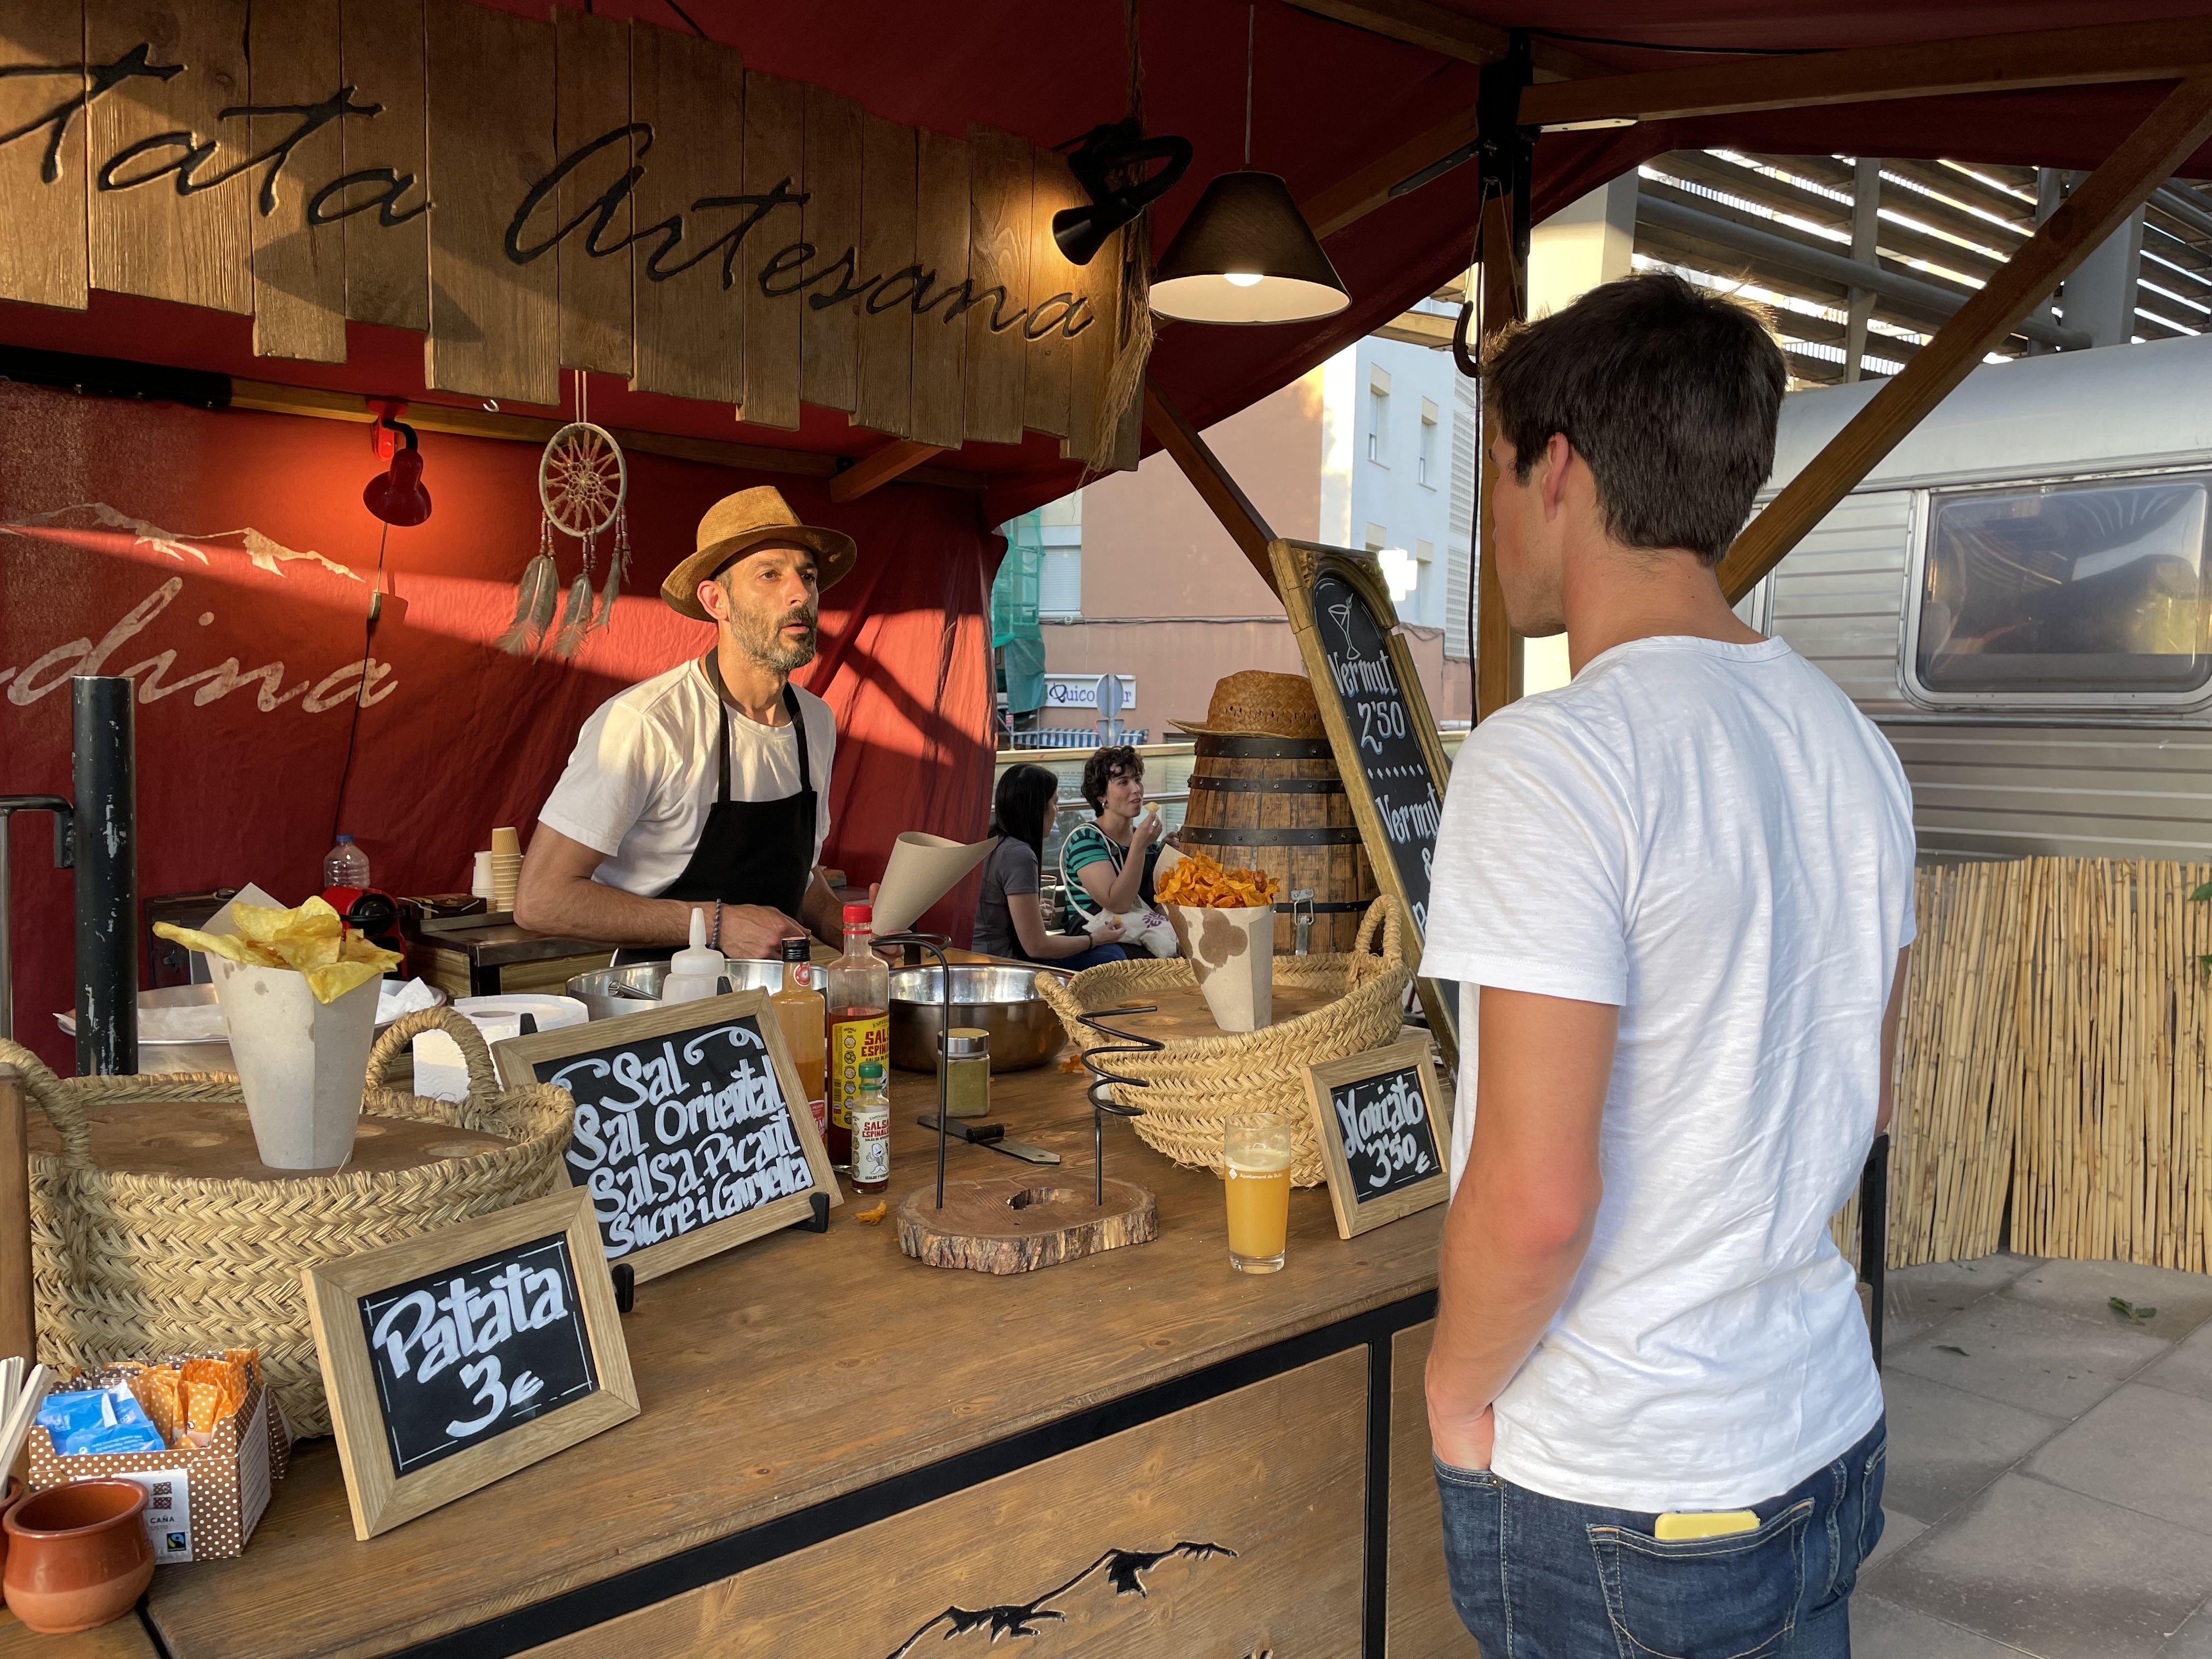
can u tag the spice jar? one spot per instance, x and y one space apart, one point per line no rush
967 1072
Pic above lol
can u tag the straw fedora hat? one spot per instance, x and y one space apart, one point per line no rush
735 525
1257 704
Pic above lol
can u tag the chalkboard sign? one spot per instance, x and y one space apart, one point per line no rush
1379 726
1384 1139
452 1360
686 1134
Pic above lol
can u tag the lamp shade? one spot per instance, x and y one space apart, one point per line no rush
1247 255
399 497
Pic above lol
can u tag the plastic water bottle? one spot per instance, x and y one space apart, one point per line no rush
345 865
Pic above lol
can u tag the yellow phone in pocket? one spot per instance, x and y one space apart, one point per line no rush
1719 1523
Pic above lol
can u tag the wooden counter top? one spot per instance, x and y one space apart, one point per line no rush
791 1370
123 1638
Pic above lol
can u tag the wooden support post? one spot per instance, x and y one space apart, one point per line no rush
1498 649
1211 479
18 1309
2145 159
900 455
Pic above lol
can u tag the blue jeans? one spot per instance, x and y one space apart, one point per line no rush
1538 1577
1095 956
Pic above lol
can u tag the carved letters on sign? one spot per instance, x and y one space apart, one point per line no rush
299 185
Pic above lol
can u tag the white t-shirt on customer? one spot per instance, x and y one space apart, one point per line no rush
642 776
1711 837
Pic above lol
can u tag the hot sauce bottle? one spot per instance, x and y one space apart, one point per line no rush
858 985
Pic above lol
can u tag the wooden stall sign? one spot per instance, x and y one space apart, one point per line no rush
1383 1136
608 196
686 1134
455 1359
1379 726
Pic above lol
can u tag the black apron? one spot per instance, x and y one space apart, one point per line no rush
749 852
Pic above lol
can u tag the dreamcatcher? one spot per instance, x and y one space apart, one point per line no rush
582 480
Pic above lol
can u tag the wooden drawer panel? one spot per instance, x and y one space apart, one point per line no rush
1232 1528
1422 1625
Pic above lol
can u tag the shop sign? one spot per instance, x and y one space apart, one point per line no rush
539 196
1081 691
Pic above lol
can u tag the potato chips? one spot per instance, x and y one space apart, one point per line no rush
1198 880
312 940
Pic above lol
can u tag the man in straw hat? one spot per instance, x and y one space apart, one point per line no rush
707 785
1677 895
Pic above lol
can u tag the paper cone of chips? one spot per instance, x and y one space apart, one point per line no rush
1225 921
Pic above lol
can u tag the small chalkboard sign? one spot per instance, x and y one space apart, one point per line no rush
686 1134
452 1360
1379 726
1384 1141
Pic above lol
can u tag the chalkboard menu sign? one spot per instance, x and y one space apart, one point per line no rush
452 1360
692 1134
1379 726
1384 1139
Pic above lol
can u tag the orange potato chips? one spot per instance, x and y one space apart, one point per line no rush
1196 879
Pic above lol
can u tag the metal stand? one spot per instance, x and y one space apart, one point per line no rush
106 826
937 945
64 856
1101 1091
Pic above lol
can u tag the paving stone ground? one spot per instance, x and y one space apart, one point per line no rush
2050 1472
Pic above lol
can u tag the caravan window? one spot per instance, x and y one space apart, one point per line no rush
2066 590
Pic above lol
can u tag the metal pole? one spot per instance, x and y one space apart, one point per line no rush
9 805
106 875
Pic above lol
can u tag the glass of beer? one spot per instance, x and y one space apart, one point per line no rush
1258 1177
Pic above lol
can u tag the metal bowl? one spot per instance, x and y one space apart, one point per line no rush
596 989
998 998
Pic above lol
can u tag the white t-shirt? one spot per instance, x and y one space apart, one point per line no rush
642 776
1711 837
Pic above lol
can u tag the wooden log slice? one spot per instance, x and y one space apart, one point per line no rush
1019 1222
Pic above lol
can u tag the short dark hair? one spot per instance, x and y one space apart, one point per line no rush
1117 760
1669 392
1018 809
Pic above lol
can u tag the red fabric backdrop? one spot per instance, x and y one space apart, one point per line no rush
238 771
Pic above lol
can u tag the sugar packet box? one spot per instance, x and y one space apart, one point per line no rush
202 1502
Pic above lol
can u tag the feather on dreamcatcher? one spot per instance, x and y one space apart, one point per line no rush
582 483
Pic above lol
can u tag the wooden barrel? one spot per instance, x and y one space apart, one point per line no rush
1277 805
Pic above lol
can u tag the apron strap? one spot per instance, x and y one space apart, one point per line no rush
722 736
799 731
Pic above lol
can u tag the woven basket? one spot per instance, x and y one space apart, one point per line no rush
1196 1084
131 1266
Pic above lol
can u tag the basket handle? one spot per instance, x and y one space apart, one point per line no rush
54 1098
1383 917
475 1054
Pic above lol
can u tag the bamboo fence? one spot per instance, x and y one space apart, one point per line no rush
2051 1062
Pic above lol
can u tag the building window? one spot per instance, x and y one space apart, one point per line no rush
1424 466
1378 416
1377 539
2061 594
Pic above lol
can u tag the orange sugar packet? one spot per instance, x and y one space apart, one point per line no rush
220 1383
158 1389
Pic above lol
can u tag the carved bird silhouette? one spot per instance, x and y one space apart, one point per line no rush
1125 1571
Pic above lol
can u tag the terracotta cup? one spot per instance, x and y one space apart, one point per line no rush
78 1555
14 1497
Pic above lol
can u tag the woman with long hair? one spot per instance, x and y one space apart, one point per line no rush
1009 916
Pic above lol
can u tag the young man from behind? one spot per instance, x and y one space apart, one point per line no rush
1677 893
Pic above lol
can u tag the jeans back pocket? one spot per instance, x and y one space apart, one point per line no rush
1735 1597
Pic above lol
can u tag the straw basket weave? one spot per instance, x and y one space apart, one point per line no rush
1196 1084
133 1266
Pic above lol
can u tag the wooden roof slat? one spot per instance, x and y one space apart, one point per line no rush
1696 253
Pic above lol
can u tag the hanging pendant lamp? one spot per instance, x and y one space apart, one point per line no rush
1246 254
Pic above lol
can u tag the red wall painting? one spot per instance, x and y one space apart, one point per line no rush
224 560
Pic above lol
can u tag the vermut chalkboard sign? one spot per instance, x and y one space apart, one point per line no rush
460 1356
1383 1134
686 1134
1379 726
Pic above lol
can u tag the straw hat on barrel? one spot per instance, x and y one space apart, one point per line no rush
1258 704
737 524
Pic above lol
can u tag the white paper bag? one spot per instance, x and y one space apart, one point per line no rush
300 1062
1233 952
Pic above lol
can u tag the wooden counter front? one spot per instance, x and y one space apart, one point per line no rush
831 1430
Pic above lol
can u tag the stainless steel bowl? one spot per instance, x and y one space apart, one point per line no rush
596 990
997 997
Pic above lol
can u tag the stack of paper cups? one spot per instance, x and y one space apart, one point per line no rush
506 868
480 883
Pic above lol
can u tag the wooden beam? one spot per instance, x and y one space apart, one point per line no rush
2172 132
1498 649
2045 57
1211 479
2101 53
1417 23
269 397
900 455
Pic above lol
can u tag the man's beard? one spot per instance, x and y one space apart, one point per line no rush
762 640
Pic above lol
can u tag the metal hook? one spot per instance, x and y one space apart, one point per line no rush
1101 1092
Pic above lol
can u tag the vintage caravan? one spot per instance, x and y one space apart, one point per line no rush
2019 596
